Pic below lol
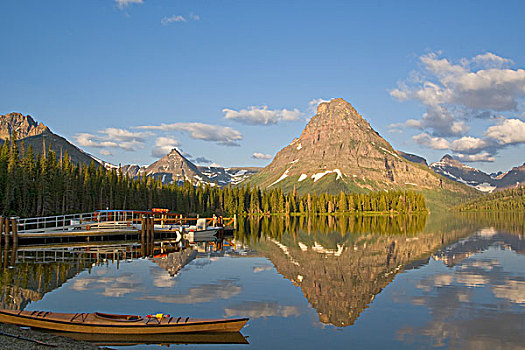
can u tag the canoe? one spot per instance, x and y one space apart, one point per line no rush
100 323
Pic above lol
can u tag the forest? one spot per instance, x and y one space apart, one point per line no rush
44 184
507 200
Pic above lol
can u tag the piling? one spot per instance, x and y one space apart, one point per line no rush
6 232
152 229
14 230
143 235
1 229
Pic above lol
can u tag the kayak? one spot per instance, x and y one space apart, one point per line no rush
102 323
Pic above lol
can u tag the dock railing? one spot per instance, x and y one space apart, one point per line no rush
100 220
109 220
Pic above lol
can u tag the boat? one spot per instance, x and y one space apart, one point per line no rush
102 323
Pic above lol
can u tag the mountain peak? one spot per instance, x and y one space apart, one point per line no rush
340 145
335 109
23 125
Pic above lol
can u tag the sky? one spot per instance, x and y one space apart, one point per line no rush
233 82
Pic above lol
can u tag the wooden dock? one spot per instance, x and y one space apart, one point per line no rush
104 224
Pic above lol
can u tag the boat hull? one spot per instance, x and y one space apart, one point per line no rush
89 323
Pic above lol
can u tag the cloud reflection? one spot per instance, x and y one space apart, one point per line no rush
260 309
111 286
204 293
458 320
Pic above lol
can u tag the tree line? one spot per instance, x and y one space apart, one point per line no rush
44 184
507 200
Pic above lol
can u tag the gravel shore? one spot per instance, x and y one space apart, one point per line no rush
11 342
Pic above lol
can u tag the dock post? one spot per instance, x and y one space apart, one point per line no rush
6 232
1 228
14 229
6 245
143 235
151 229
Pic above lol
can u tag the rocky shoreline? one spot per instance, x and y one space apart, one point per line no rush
14 337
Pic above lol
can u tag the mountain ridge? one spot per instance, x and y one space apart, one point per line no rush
457 171
339 151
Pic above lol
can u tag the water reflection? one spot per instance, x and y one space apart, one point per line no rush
342 263
455 281
477 302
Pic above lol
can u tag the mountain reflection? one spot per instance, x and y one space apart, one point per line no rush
341 263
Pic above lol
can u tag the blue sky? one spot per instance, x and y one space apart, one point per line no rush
126 80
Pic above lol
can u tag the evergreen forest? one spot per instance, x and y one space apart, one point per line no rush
44 184
507 200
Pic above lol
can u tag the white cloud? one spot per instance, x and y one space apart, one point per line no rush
105 152
113 138
261 115
178 18
121 4
454 92
222 135
432 142
90 140
175 18
508 131
163 146
313 104
261 156
468 144
490 60
479 157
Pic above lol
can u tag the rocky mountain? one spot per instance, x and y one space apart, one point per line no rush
457 171
339 151
175 167
38 136
59 145
413 158
23 125
224 176
512 178
132 170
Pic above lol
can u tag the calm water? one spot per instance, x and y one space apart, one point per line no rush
372 282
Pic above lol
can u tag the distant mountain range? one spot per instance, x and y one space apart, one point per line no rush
174 167
337 151
455 170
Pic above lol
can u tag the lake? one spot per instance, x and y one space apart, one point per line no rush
304 282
